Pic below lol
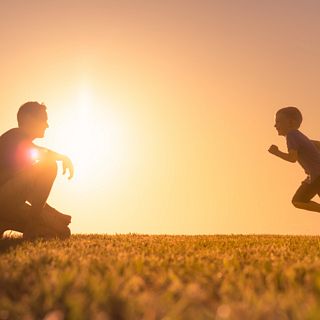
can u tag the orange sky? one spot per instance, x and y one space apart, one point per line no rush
167 107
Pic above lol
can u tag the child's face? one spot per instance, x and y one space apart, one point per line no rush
284 124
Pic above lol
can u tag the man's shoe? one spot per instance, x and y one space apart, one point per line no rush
57 215
11 225
39 230
64 233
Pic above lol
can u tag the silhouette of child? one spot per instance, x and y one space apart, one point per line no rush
303 150
27 173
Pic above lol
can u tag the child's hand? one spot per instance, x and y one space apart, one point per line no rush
274 149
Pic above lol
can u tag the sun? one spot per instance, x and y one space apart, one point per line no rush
93 137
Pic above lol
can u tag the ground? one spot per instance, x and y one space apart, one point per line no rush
161 277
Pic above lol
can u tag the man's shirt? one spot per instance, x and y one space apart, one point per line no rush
308 154
15 153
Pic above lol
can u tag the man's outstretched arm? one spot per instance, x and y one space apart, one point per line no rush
291 156
45 153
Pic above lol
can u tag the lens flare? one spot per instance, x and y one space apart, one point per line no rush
34 154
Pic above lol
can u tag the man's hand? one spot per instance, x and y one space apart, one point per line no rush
52 155
274 149
67 165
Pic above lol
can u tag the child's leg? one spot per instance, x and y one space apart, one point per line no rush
304 194
310 206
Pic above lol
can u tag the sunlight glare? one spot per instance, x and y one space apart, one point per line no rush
34 154
93 137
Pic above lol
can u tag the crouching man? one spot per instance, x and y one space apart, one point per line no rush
27 173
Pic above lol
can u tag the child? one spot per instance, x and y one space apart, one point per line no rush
303 150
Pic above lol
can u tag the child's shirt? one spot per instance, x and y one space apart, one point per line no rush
308 154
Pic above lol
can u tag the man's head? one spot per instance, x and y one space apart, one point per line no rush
33 119
287 119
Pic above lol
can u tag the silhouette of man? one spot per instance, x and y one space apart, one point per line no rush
27 173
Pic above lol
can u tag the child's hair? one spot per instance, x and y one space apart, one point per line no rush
32 108
292 113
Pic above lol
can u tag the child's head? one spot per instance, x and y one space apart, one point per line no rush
287 119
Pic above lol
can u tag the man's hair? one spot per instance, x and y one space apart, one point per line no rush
31 108
292 113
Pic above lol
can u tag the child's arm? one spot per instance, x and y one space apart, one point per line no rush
291 156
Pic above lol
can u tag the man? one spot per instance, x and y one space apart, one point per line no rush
27 173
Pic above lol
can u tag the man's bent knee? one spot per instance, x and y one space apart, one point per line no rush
47 166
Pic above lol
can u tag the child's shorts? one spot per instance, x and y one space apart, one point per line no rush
307 191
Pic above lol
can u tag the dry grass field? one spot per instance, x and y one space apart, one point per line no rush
161 277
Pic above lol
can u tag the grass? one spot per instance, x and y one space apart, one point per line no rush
108 277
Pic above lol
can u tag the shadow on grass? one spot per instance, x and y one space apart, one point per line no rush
8 243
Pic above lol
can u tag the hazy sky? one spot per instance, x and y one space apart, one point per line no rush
167 108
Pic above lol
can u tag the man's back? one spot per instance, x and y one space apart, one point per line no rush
14 153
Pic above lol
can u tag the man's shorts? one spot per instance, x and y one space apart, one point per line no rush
307 191
14 193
